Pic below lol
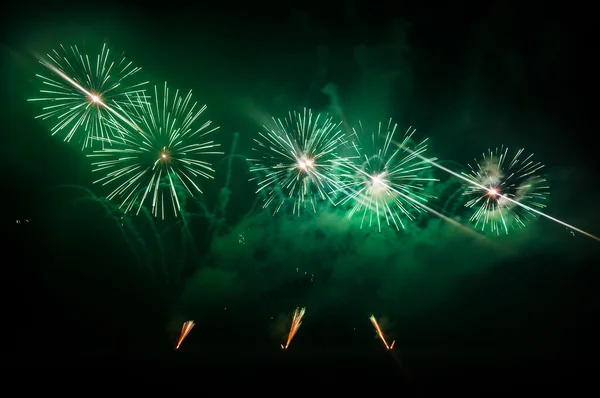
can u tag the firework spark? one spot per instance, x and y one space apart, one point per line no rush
163 151
81 93
388 183
380 334
501 182
185 330
298 157
296 322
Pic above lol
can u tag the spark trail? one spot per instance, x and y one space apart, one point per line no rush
380 334
185 330
296 322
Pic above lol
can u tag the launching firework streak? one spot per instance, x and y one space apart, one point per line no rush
501 184
297 159
296 322
164 150
185 330
80 93
380 333
386 181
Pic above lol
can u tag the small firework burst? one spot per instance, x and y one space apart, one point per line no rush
81 92
380 334
296 159
296 322
388 181
165 149
185 330
502 190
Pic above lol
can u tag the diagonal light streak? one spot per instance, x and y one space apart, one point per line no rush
476 184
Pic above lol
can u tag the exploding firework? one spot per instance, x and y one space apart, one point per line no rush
165 149
297 159
185 330
81 93
380 334
483 188
296 322
498 184
389 181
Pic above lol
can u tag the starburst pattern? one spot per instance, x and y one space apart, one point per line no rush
81 92
388 181
296 159
163 150
499 185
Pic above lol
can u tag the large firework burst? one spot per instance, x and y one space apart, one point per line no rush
389 180
80 92
163 150
296 159
499 184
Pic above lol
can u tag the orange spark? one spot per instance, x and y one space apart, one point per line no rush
185 330
380 333
296 322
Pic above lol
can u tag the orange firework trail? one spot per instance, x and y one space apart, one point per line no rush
380 333
185 330
296 322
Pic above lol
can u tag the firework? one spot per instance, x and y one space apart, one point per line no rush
296 322
185 330
380 334
483 188
501 183
163 151
81 92
388 182
297 158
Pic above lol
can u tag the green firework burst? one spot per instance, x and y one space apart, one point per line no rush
499 184
386 181
164 148
297 158
80 92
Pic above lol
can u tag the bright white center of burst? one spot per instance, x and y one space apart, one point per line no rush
305 164
95 98
378 184
164 156
493 191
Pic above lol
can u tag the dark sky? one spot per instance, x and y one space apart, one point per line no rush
83 286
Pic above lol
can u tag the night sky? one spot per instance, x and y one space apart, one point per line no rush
84 286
